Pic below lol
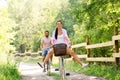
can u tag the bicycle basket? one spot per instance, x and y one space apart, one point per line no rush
59 49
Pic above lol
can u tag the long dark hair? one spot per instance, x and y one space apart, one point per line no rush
56 31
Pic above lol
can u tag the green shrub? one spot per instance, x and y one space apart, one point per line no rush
9 72
117 77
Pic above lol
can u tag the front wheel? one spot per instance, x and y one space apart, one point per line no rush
62 71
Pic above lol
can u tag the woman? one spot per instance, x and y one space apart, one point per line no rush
60 36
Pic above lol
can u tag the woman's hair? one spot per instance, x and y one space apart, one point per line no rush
59 21
56 31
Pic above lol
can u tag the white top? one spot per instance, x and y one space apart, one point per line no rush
60 39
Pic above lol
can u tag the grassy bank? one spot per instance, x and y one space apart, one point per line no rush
56 76
8 69
109 72
9 72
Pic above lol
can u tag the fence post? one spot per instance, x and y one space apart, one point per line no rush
87 43
116 45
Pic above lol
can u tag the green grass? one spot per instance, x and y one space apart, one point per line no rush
110 72
8 69
9 72
56 76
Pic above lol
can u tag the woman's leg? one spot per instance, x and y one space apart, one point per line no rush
51 57
49 54
71 52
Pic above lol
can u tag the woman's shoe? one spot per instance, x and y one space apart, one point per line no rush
84 65
40 64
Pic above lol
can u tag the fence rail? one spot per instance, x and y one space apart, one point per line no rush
78 45
116 54
117 37
88 46
109 43
101 59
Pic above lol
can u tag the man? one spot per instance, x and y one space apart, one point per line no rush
46 43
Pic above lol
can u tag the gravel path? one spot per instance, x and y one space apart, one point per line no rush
78 76
31 71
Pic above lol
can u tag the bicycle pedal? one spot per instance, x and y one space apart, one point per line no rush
67 74
56 69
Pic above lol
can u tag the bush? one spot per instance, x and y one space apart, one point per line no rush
9 72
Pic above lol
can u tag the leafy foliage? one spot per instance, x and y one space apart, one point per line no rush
6 33
97 19
30 18
9 72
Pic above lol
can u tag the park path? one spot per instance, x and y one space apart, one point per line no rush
32 71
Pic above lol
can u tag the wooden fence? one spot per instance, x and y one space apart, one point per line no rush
88 46
30 55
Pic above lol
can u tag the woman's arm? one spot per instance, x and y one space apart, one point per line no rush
66 37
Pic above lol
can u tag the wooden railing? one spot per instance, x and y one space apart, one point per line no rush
88 46
35 56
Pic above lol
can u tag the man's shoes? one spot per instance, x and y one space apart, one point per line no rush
84 65
44 70
41 65
51 63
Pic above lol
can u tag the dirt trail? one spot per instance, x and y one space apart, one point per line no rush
31 71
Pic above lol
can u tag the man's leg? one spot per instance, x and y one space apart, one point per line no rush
50 53
44 70
44 52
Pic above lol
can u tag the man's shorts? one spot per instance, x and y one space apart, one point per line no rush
45 51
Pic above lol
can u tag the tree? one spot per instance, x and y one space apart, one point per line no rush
6 33
32 17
